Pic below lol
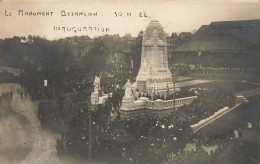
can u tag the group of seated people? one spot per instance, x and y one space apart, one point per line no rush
182 93
209 101
214 72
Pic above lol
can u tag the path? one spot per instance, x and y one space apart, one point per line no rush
22 140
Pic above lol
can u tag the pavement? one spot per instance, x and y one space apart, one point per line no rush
22 140
14 132
25 142
191 83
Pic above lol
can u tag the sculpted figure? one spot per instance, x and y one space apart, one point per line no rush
96 83
128 91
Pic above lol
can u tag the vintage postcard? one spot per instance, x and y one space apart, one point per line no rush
141 81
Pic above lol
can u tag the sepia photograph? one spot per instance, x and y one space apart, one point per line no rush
129 82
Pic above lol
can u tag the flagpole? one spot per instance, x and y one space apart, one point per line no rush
53 94
42 90
174 81
174 95
90 126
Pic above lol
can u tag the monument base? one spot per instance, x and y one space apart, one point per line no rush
155 88
94 98
127 102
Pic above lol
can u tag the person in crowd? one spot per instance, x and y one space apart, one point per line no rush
58 146
11 94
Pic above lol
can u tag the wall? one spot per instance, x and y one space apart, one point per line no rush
145 107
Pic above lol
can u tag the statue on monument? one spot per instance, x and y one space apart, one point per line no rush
96 84
128 90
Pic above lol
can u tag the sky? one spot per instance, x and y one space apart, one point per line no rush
174 15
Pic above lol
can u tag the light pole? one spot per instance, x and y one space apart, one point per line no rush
90 135
174 78
174 95
93 104
53 96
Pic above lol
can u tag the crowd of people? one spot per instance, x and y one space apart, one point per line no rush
138 140
156 137
115 77
115 139
213 72
6 95
144 139
156 95
65 106
60 146
209 101
9 95
6 76
199 156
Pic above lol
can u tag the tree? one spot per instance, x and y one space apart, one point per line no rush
136 50
96 60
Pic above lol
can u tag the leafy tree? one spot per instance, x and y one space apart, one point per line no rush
136 50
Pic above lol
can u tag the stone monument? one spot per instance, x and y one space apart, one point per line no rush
154 74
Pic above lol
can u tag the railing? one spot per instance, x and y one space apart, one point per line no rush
215 116
178 102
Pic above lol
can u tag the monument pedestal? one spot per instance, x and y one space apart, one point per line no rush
127 102
94 98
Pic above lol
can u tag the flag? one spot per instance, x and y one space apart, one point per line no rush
199 53
236 133
249 125
132 63
45 83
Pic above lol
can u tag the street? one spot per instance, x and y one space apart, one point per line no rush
24 139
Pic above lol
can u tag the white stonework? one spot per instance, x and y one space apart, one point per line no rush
145 107
128 90
154 74
94 95
154 77
128 100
